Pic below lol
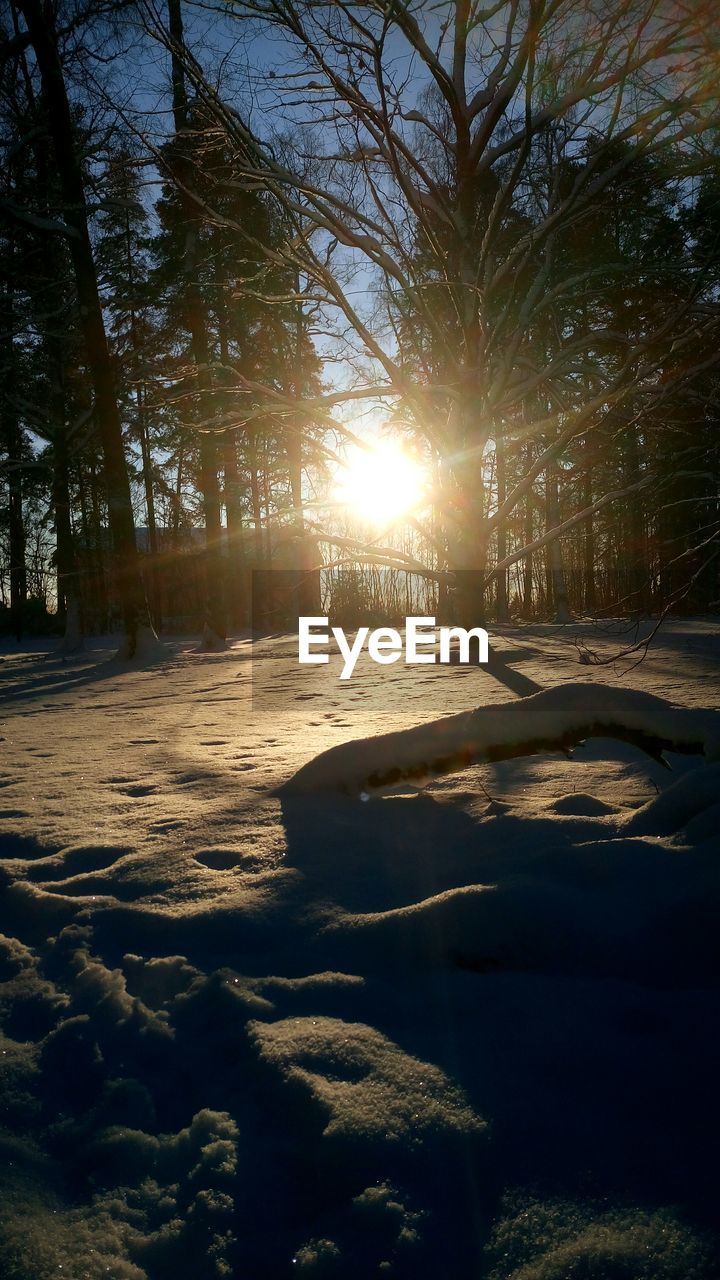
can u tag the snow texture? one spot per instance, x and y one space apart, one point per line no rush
252 1029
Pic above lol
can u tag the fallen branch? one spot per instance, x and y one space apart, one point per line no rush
553 720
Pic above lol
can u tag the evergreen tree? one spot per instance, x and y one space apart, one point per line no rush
43 38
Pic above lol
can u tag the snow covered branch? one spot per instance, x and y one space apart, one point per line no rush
554 720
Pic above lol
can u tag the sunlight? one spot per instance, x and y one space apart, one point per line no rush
381 484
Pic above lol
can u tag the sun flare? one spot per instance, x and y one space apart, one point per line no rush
382 483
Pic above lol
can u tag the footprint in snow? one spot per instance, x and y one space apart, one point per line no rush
218 859
15 846
77 860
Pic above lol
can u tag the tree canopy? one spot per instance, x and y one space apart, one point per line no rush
492 226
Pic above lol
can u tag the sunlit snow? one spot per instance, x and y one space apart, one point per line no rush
255 1033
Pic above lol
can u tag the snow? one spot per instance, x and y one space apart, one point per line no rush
251 1029
554 717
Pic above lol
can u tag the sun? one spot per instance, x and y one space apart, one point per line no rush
381 484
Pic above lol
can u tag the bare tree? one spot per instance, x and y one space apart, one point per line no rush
456 150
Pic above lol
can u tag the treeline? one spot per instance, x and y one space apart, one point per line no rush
185 312
516 254
648 475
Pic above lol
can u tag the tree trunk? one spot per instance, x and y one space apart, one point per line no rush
12 439
68 581
236 550
18 577
556 572
68 591
214 628
144 438
293 432
589 592
153 546
637 570
469 549
237 596
468 559
11 436
101 577
501 599
177 500
528 534
40 24
67 576
259 613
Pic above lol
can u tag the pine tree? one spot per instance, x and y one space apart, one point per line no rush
43 38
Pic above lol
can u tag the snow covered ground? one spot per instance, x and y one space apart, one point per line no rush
250 1034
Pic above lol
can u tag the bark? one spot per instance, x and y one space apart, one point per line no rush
469 554
40 24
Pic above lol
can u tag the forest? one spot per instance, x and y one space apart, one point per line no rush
334 945
243 243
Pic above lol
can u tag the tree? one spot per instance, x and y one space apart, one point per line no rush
492 154
39 20
123 258
12 440
240 306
